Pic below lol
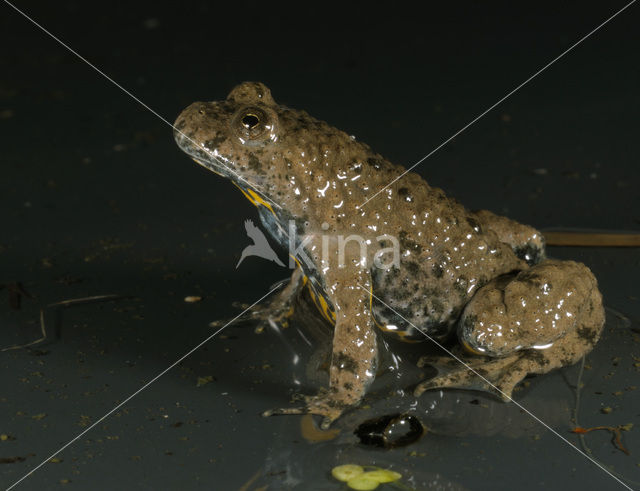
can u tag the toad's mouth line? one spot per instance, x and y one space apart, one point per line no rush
209 166
218 165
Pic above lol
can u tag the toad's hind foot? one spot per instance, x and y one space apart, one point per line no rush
498 376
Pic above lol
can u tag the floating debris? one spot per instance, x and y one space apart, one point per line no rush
357 478
615 430
13 460
391 431
63 303
347 472
204 380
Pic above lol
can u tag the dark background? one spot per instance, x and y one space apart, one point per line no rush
97 199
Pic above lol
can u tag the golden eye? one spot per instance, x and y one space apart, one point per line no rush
250 121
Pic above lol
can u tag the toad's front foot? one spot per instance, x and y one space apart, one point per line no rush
322 404
277 311
498 376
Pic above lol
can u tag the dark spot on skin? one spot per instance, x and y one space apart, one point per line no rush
405 194
302 122
536 356
337 404
460 286
437 270
530 253
254 165
227 109
300 225
345 362
377 163
348 386
414 305
588 334
400 294
412 267
474 224
215 142
439 195
181 124
431 292
406 242
393 274
437 306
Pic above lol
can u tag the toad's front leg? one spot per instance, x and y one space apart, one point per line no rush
354 351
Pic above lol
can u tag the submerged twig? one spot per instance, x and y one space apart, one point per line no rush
581 432
76 301
63 303
591 239
616 430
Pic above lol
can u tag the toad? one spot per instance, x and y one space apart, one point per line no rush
412 263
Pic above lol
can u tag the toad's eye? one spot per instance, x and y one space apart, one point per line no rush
250 121
253 123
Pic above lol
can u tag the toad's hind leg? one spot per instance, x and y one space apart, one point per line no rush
532 322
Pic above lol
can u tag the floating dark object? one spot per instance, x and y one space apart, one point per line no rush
390 431
14 460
